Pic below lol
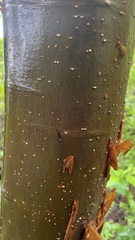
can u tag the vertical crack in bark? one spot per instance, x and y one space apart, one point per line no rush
121 128
58 134
69 231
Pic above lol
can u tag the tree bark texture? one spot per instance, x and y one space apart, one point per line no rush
66 69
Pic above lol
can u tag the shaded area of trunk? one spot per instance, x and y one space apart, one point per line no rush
66 78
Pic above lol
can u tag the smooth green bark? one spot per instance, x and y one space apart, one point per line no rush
65 89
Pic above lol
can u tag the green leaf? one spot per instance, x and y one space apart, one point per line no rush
131 180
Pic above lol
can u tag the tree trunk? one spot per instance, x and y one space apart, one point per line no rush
66 76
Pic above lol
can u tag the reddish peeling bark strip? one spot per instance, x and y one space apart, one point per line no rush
93 229
115 148
122 50
124 147
112 155
69 231
108 199
68 163
113 152
91 233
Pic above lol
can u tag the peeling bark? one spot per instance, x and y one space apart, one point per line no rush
108 198
91 233
69 230
122 50
113 151
66 71
68 163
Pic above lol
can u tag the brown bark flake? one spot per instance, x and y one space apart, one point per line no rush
124 147
113 151
91 233
112 155
122 50
108 198
69 231
68 163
